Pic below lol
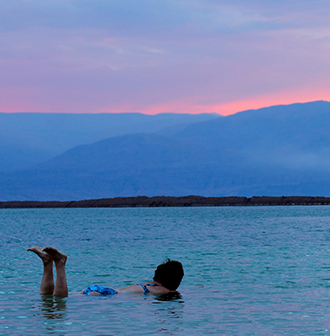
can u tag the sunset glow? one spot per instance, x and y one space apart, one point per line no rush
185 57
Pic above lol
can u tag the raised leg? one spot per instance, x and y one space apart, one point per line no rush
47 282
61 287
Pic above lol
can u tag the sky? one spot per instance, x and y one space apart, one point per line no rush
154 56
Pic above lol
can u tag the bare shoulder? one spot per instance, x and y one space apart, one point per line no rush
152 287
155 287
130 289
159 290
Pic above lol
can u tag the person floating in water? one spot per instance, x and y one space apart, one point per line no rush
167 278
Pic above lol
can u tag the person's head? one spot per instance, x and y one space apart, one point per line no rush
169 274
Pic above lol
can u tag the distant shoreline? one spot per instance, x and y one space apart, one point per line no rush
169 201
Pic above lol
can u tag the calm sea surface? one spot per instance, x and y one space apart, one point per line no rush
248 270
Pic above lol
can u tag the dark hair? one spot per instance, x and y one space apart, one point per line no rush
169 274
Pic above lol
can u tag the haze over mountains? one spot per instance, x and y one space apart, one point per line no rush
30 138
276 151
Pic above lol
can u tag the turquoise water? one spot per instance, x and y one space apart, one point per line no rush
248 270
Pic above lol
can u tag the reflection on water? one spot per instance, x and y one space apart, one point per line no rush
169 297
52 307
53 310
169 312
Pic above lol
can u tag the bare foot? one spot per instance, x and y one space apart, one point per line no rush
56 255
39 251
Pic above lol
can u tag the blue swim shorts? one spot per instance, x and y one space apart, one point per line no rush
100 289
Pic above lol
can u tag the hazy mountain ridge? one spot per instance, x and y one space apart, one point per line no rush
27 139
281 150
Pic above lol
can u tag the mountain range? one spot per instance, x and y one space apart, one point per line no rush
275 151
27 139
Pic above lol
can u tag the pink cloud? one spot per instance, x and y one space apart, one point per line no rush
192 62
